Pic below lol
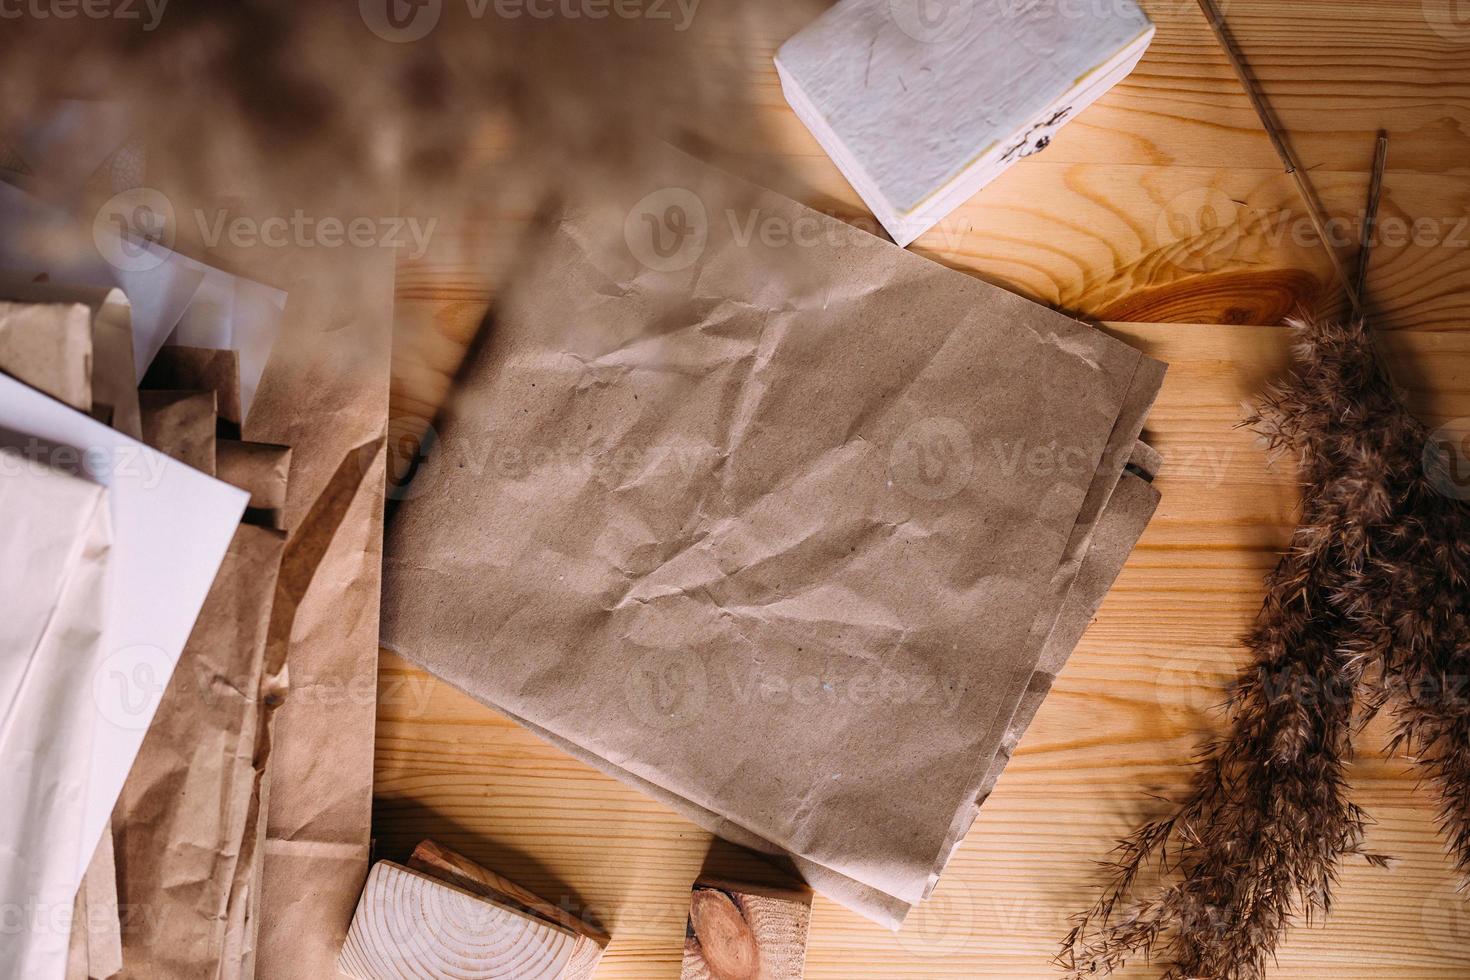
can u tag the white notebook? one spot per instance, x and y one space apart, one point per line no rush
920 103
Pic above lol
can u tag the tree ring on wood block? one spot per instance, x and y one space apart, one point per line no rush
729 946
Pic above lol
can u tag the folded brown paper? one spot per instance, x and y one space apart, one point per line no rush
96 929
180 821
186 821
325 394
780 530
49 347
200 368
181 424
114 394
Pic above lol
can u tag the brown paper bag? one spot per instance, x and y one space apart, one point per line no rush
200 368
778 526
181 424
185 823
114 394
325 394
261 468
182 816
49 347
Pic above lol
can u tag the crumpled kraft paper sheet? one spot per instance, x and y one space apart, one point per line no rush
183 822
113 396
49 347
325 394
775 523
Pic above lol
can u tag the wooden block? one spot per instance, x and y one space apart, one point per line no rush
410 924
921 104
446 865
745 932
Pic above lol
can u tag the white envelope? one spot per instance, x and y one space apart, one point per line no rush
171 526
55 550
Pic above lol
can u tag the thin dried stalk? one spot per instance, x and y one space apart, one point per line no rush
1371 599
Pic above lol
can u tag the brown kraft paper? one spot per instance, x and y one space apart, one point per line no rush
778 528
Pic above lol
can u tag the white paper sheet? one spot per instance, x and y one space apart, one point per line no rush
171 527
70 140
58 527
231 313
174 298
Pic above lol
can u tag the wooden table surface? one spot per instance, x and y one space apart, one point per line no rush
1162 206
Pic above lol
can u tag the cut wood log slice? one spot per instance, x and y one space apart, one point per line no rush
411 925
740 932
446 865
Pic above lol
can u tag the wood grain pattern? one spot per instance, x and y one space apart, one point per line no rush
446 865
411 925
740 932
1163 202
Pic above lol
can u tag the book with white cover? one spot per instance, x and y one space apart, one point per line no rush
920 103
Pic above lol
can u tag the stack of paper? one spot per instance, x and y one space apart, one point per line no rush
152 534
173 298
789 532
922 104
203 828
121 695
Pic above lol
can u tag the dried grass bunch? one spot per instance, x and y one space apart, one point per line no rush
1368 608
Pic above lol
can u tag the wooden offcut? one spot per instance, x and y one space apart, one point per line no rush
444 864
745 932
449 918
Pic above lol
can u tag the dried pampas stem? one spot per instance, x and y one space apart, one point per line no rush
1279 143
1371 600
